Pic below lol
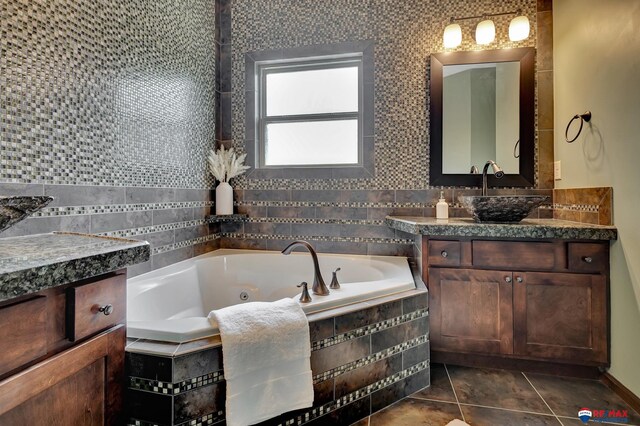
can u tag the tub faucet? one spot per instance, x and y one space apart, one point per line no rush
497 171
319 287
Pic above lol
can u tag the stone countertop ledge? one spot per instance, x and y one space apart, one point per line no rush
37 262
528 228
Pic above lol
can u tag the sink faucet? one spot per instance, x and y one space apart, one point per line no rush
497 171
319 287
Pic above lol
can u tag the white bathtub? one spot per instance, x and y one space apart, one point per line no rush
172 303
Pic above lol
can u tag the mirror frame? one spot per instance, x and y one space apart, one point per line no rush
526 57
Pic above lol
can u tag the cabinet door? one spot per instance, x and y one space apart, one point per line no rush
80 386
471 311
561 317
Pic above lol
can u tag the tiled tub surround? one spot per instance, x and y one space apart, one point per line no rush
34 263
176 222
364 358
110 108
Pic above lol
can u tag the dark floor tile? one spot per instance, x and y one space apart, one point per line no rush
440 388
363 422
566 396
495 388
415 412
481 416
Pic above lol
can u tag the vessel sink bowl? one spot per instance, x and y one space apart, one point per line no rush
14 209
501 208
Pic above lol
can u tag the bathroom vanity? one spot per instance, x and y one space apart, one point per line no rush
531 295
62 313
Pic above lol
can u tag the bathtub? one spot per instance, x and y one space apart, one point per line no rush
172 303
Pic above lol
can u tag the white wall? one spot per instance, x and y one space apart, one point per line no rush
597 67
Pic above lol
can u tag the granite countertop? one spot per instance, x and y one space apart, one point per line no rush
36 262
528 228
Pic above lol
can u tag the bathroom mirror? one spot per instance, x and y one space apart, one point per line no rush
482 108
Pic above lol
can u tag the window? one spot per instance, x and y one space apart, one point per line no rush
310 112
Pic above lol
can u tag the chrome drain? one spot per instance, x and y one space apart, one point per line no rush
244 295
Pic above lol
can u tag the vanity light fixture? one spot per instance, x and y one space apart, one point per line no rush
519 29
485 32
452 36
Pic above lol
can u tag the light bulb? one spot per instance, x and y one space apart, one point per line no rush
485 32
452 36
519 28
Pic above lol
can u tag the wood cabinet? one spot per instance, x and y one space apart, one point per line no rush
66 357
528 300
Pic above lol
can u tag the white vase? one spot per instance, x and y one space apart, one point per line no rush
224 199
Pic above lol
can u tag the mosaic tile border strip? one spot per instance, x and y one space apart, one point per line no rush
168 388
354 396
371 359
242 236
369 329
186 243
154 228
206 420
119 208
577 207
304 220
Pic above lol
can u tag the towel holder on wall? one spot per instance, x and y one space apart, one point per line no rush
586 116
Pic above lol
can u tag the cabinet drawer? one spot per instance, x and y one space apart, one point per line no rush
23 333
96 306
513 255
444 253
587 257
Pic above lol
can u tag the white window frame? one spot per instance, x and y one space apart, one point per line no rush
263 69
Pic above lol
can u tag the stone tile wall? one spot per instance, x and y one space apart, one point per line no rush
345 215
110 108
586 205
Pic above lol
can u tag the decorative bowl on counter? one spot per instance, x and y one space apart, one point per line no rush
501 208
14 209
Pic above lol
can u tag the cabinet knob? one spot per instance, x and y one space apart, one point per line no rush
444 253
106 309
519 279
587 259
507 279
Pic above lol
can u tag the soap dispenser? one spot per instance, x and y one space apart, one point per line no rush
442 208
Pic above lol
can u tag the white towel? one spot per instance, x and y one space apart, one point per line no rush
266 354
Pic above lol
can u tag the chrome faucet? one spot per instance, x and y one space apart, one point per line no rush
497 171
319 287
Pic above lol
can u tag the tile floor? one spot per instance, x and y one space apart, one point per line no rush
499 397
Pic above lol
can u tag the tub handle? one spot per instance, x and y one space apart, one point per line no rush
334 281
305 297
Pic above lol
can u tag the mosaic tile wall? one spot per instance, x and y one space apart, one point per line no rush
110 108
345 215
362 361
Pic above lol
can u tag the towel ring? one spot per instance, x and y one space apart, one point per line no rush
516 150
583 117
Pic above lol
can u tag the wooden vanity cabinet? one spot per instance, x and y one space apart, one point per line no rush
529 300
64 358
